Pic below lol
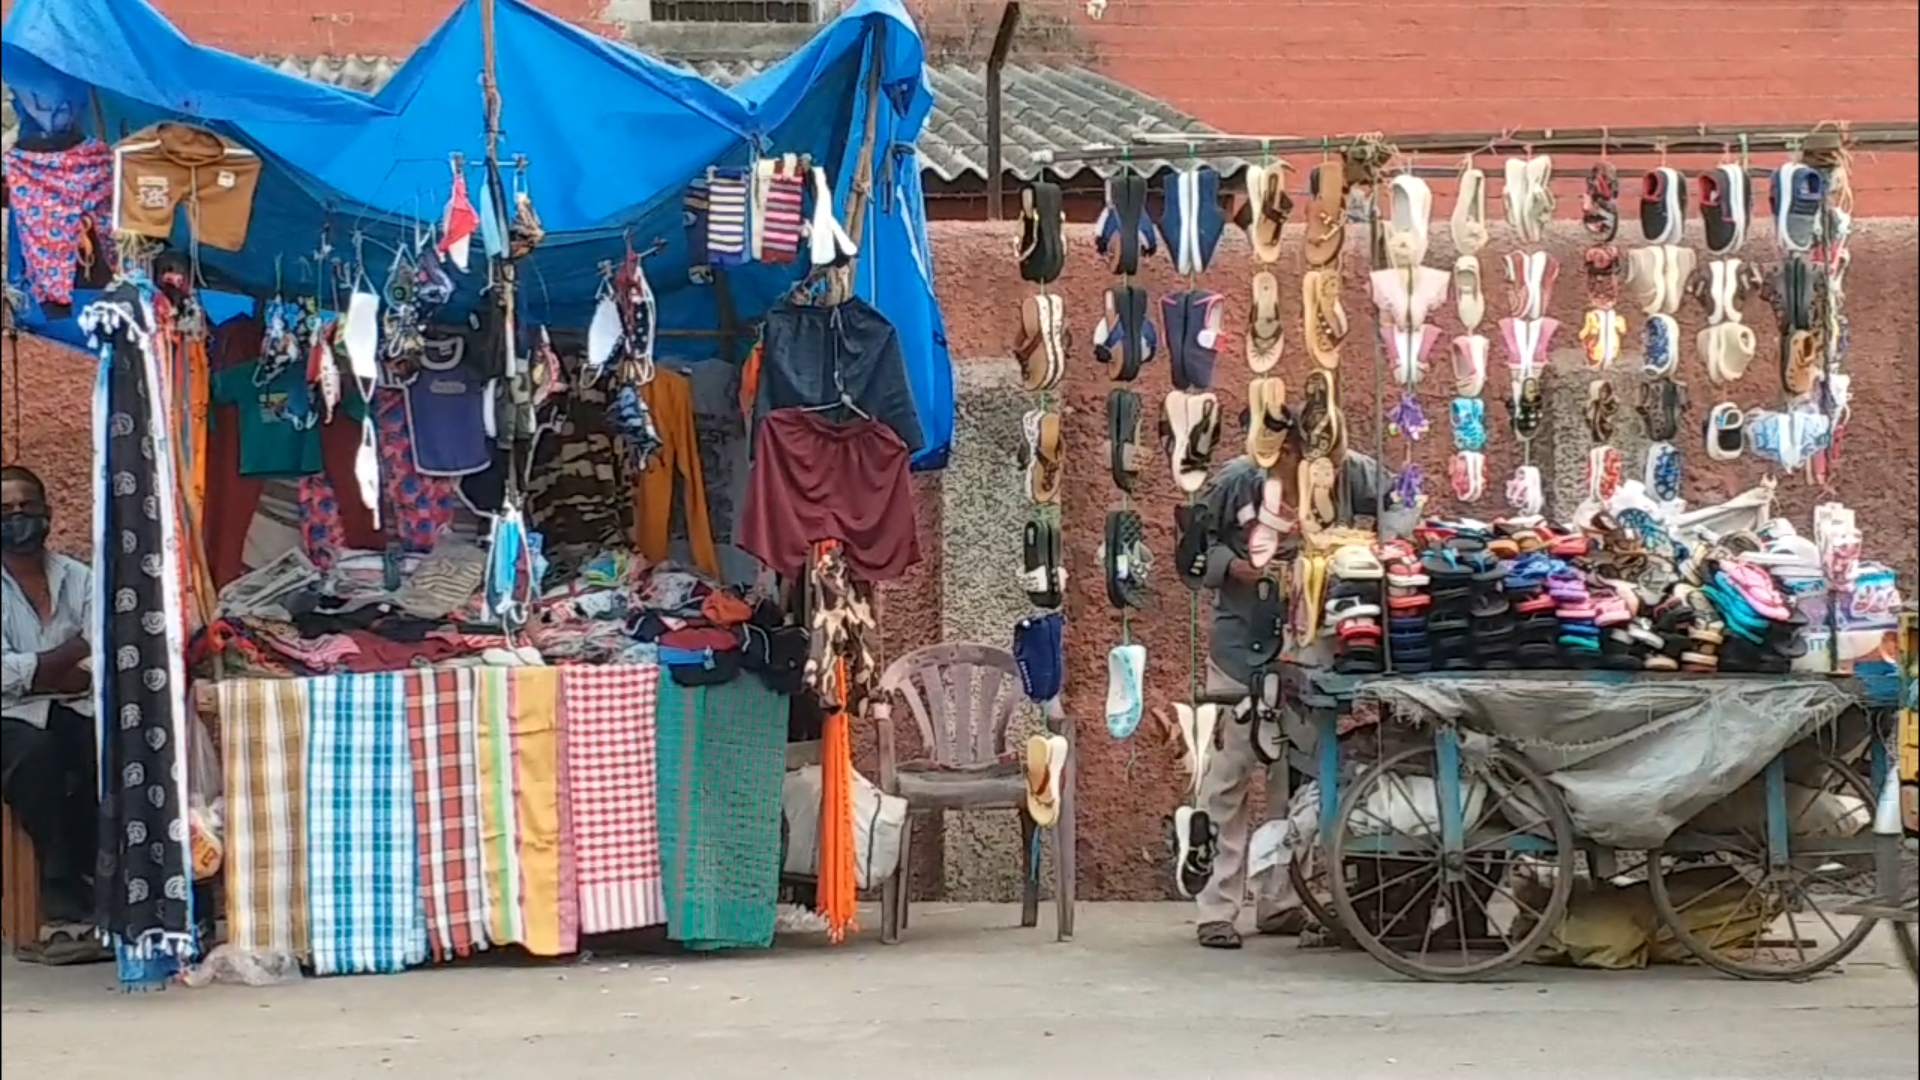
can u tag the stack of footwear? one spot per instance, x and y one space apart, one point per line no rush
1762 633
1450 618
1536 631
1579 638
1407 606
1615 605
1353 611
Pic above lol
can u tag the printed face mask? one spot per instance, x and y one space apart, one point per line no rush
23 533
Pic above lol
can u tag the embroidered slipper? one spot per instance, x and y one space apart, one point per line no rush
1326 214
1268 421
1469 300
1192 428
1122 235
1600 208
1602 335
1123 437
1726 432
1469 365
1324 314
1195 532
1196 841
1270 206
1410 210
1126 689
1468 223
1663 206
1265 334
1046 761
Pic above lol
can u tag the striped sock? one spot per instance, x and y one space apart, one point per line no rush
781 241
727 219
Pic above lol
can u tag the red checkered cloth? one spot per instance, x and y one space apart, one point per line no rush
612 714
443 724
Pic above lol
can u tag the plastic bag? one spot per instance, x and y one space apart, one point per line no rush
206 803
239 967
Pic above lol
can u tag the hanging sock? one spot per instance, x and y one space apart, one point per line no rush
830 244
458 223
493 231
779 236
726 218
362 338
758 189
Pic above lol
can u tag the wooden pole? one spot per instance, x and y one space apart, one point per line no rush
996 63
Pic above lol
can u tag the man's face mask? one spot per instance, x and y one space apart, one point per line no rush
23 532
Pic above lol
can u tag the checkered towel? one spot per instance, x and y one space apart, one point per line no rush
362 858
610 771
442 728
263 737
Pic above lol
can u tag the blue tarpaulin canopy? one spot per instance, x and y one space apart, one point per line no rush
610 139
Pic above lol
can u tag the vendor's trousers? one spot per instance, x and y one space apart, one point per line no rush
669 398
49 778
1226 794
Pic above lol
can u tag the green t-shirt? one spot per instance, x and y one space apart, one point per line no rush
279 422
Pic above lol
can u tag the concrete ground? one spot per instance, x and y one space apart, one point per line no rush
969 995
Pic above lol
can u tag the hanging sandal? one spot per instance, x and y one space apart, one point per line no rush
1046 762
1469 365
1602 334
1127 560
1528 407
1325 316
1265 333
1270 206
1192 426
1662 401
1602 410
1123 437
1044 448
1123 234
1126 679
1196 844
1326 214
1600 209
1468 222
1043 253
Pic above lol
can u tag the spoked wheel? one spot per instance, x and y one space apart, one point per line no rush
1314 886
1729 907
1451 916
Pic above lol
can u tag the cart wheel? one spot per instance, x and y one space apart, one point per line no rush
1314 886
1391 885
1720 900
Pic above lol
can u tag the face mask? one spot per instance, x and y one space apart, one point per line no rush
23 533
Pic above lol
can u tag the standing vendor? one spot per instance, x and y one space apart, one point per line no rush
48 761
1226 788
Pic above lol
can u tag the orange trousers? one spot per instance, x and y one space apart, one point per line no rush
669 398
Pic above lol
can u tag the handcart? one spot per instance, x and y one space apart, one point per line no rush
1457 813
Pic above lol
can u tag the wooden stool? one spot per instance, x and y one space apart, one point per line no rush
20 883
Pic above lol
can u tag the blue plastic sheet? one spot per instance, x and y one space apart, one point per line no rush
610 137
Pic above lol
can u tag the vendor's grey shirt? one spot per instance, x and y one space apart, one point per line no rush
1237 484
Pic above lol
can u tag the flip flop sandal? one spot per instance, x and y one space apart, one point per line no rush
1326 216
1191 428
1270 206
1123 437
1268 421
1195 525
1028 346
1410 602
1600 208
1271 523
1043 253
1046 761
1044 466
1197 842
1265 333
1317 477
1127 560
1325 316
1320 419
1528 408
1123 234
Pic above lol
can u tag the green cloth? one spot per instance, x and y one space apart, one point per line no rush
279 422
721 761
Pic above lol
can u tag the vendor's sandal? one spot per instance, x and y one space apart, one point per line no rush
1325 315
1043 252
1123 233
64 945
1046 761
1195 529
1045 448
1326 214
1266 338
1124 453
1128 561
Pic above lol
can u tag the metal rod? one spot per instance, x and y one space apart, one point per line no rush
996 62
1381 485
1700 139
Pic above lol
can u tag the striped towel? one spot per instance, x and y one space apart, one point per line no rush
441 725
362 862
610 724
499 831
263 738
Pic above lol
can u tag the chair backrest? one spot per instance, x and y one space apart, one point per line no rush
962 695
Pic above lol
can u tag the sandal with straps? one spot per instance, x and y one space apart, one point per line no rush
1602 409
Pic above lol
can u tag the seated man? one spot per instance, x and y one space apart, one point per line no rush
1226 788
48 762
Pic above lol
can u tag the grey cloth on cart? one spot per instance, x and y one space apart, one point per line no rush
1634 759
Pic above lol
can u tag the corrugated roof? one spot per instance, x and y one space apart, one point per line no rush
1046 108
